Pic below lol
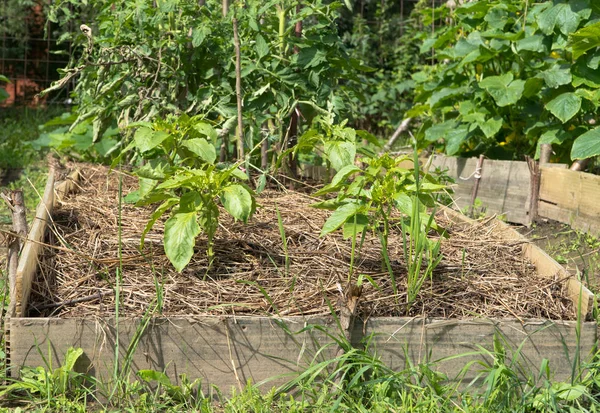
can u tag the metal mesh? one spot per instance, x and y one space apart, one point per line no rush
30 53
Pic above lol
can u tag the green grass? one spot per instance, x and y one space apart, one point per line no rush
18 126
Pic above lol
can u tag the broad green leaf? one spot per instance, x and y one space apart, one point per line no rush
557 75
533 43
340 216
586 145
207 130
439 131
201 147
71 358
503 89
199 34
344 173
585 39
403 202
355 225
4 79
491 126
564 106
559 15
261 46
150 376
181 231
146 139
496 18
455 138
237 201
340 153
444 93
532 86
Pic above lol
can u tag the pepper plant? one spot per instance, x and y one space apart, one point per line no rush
366 200
183 176
507 75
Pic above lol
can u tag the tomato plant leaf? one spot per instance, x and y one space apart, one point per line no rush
237 201
261 46
586 145
564 106
181 231
201 147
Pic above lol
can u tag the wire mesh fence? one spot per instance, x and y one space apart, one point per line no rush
31 52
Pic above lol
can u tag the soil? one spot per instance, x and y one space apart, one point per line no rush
480 275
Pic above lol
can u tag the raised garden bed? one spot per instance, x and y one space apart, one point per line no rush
237 320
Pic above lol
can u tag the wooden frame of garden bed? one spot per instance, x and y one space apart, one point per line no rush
228 351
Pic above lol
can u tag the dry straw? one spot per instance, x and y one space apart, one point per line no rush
480 275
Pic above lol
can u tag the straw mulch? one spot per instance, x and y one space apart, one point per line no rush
480 274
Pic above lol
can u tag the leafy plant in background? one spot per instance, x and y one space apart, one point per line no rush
385 37
183 176
366 199
335 143
78 142
509 75
145 60
3 93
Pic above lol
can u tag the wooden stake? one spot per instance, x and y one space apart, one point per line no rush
238 90
477 176
403 127
293 131
225 7
579 165
545 152
16 203
534 188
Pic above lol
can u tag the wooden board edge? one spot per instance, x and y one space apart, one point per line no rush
32 247
69 185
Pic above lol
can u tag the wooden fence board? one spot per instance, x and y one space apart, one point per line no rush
228 351
571 197
503 189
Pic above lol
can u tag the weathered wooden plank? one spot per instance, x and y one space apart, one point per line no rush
28 261
229 351
571 197
570 217
503 189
